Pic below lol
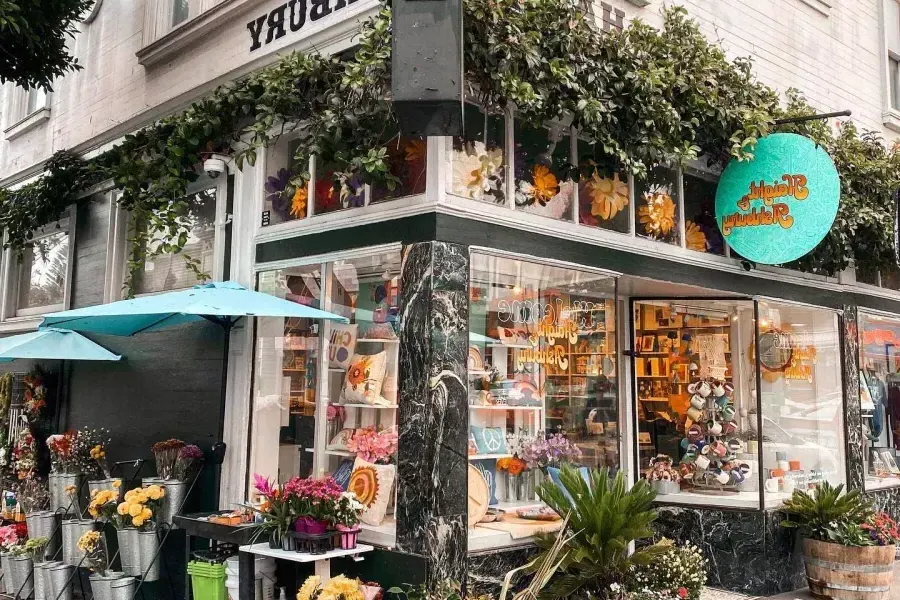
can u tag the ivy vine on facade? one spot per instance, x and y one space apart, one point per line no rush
642 97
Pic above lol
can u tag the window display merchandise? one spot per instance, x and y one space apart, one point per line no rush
543 388
698 403
879 391
325 398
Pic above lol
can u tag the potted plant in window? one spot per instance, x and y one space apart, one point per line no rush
347 510
277 516
846 547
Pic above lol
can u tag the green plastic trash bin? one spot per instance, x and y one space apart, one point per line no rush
207 580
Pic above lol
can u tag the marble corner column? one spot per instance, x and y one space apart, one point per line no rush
433 415
856 462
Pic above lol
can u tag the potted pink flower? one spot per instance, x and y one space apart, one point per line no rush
313 501
347 510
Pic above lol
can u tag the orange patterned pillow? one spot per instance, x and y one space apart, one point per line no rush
365 376
372 485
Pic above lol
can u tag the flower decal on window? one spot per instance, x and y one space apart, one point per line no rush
658 215
478 172
608 195
695 239
298 202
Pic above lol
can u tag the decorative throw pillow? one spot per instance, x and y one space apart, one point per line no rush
490 440
342 474
365 376
341 441
373 485
342 345
488 470
376 332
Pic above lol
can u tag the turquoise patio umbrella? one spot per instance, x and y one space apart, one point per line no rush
52 344
223 303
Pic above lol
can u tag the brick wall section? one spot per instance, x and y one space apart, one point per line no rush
835 60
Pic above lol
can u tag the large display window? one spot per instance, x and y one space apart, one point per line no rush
879 392
702 401
543 388
325 394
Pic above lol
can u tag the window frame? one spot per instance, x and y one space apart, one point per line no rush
890 114
120 223
325 262
23 118
9 310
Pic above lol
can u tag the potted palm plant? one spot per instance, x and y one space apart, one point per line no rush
847 549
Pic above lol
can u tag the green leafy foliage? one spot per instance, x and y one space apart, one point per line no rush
604 518
33 38
828 514
643 96
442 590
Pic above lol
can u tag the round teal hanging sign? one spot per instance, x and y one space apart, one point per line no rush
780 205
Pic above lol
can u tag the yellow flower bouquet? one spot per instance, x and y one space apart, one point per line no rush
141 507
336 588
94 548
103 507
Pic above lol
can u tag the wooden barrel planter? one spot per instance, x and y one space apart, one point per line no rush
836 572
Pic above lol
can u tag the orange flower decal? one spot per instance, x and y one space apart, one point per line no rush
359 371
415 151
298 203
364 483
545 184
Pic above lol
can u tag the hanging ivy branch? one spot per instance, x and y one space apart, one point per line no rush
642 96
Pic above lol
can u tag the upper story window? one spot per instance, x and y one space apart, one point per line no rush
39 281
153 269
26 109
164 16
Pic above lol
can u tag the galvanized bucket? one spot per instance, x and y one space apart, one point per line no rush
60 587
123 589
129 554
59 500
72 530
107 484
148 547
38 581
20 572
173 501
4 564
43 524
101 585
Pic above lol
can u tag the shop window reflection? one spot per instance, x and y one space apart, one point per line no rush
477 163
879 391
542 383
544 170
657 216
801 399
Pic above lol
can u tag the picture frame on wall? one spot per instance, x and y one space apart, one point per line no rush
647 343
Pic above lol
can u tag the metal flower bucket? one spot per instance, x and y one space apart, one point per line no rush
123 589
173 501
148 548
129 554
107 484
101 585
20 571
43 524
59 500
60 580
4 564
39 581
72 530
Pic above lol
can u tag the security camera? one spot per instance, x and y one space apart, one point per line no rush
215 165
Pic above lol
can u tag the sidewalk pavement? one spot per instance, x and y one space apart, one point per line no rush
717 594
